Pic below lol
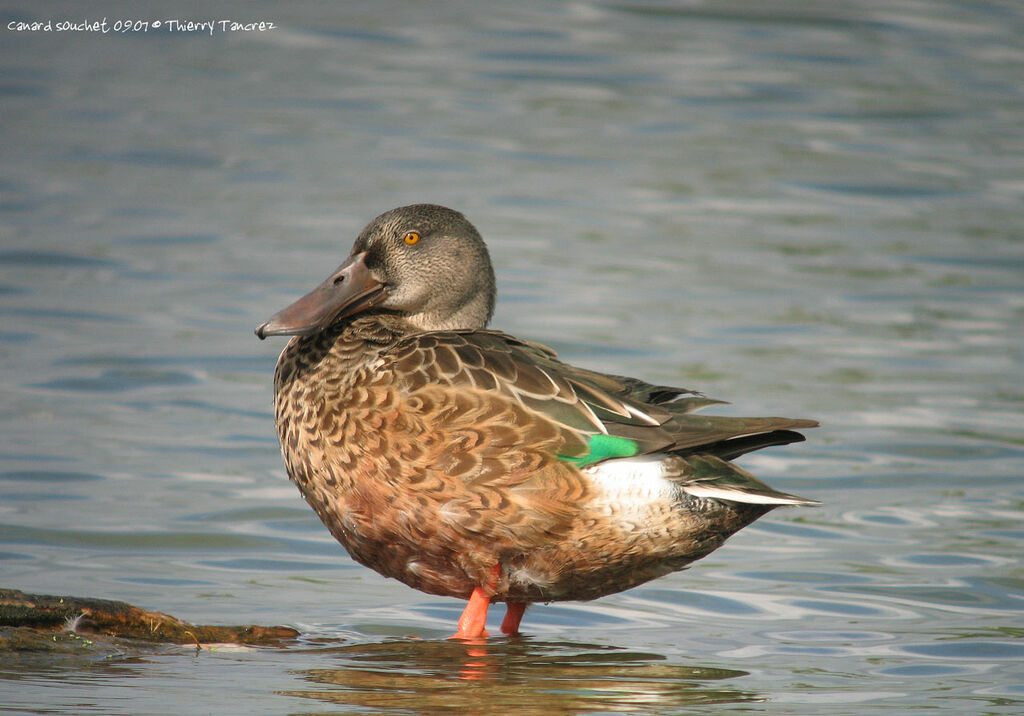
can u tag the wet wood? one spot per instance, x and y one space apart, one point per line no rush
47 614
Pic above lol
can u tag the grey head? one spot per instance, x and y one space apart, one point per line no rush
425 262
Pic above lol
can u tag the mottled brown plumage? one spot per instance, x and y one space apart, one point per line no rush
467 463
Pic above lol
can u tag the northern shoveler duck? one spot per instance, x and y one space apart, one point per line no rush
468 463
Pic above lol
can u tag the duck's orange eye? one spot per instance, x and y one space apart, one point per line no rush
411 238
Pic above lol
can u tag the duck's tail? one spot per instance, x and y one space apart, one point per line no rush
712 477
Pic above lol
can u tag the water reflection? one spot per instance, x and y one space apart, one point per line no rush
518 674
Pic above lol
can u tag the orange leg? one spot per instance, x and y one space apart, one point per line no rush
474 616
473 622
513 615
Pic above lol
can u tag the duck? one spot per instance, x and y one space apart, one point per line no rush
468 463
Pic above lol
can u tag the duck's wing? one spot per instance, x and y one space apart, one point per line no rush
598 415
578 404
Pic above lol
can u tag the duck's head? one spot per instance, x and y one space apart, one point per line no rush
423 262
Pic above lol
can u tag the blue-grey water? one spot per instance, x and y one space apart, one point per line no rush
806 209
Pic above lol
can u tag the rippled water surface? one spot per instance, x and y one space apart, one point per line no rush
807 209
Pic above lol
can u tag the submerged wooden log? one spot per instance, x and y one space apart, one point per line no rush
120 620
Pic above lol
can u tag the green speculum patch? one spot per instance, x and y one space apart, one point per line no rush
604 447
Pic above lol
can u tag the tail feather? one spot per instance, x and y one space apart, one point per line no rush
712 477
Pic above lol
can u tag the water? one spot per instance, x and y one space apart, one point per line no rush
805 209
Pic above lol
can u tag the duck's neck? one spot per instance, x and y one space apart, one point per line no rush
340 348
373 329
